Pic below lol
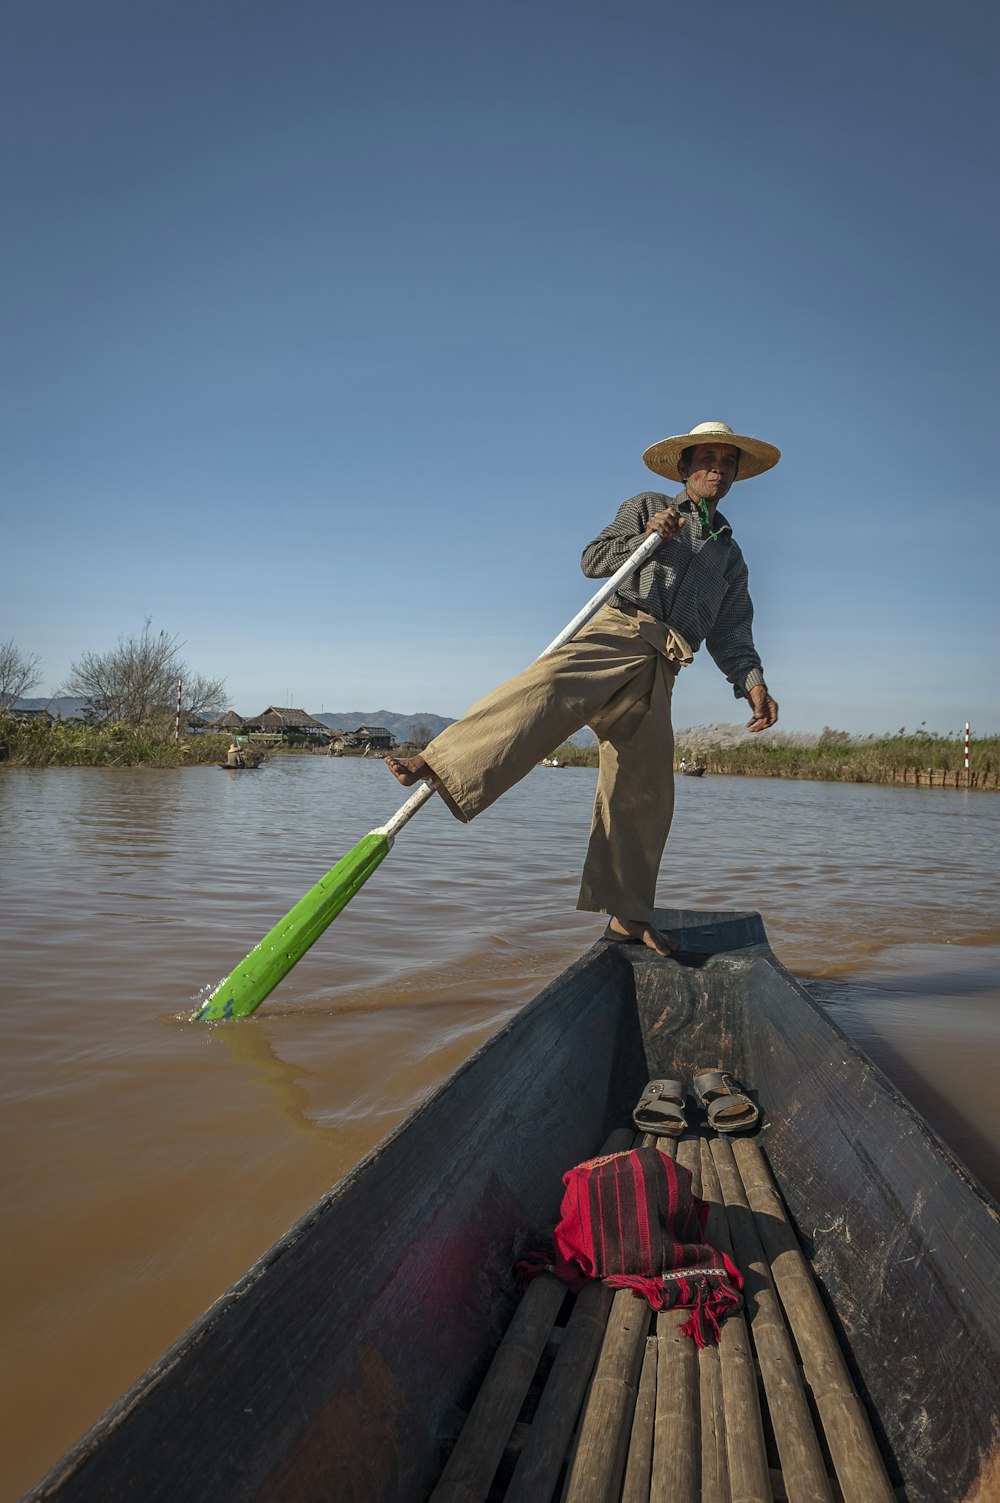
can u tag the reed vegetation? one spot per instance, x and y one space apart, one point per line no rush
74 743
834 757
571 755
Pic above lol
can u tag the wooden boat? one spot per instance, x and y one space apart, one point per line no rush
337 1367
245 767
693 772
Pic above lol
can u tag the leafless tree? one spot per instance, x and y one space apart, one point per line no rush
200 695
137 680
19 673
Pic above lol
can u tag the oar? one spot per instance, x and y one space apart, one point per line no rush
254 978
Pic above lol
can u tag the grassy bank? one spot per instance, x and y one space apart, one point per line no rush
928 760
71 743
897 759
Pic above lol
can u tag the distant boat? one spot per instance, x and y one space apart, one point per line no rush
250 763
697 770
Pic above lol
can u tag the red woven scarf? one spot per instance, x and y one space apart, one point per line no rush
631 1220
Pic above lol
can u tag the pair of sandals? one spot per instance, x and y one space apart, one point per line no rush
661 1107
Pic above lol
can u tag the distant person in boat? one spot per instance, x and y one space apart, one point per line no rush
617 675
234 757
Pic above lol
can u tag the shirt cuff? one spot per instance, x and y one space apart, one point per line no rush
753 678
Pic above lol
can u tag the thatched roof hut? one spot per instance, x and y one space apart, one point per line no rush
376 736
230 721
279 720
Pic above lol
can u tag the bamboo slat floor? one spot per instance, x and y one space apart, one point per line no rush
598 1399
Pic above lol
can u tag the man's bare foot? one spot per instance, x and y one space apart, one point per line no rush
643 933
408 770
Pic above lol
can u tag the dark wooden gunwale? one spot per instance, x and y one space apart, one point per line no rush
333 1368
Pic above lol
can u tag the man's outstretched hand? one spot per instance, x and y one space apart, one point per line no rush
765 709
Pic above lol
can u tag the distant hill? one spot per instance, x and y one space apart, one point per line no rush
66 708
734 735
403 727
717 735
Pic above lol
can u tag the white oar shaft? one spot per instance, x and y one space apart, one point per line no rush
406 811
634 561
648 545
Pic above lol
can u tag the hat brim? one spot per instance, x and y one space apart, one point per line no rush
755 456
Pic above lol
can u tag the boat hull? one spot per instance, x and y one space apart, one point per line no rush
334 1368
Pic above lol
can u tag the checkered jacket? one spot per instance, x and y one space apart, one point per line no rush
695 584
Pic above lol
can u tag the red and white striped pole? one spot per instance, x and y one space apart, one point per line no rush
177 717
966 751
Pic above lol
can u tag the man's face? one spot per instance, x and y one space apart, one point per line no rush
711 471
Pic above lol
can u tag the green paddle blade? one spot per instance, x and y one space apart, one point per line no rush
244 990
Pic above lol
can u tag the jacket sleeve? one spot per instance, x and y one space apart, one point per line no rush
730 641
620 538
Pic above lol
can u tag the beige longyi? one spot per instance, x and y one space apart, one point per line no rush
617 675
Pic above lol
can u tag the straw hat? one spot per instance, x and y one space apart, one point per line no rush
755 456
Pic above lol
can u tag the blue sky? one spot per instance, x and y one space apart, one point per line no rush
331 333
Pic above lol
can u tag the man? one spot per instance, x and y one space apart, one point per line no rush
617 675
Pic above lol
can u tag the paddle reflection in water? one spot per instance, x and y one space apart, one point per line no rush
283 1081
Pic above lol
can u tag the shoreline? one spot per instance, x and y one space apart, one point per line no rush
915 777
916 761
931 777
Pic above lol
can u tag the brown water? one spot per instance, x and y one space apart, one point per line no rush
150 1160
